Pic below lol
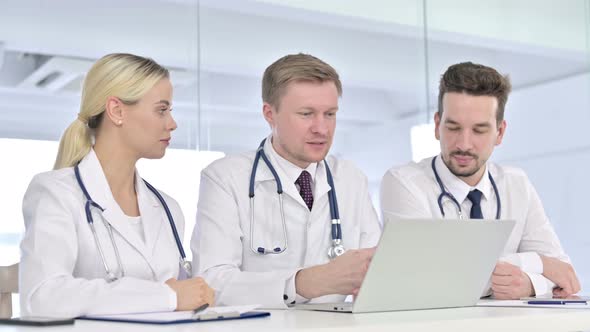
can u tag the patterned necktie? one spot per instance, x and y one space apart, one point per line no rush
304 182
475 197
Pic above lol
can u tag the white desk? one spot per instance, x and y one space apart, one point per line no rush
459 319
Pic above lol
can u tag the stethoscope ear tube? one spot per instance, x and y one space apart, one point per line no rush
334 211
170 219
261 250
253 173
184 263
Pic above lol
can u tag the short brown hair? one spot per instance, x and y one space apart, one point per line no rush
476 80
295 67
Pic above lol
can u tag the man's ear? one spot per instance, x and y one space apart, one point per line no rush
268 112
437 126
501 132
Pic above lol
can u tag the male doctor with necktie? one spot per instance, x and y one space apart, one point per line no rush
285 224
460 183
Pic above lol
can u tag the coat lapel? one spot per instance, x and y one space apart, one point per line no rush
321 181
152 213
264 174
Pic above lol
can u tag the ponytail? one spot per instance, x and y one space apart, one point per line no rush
74 145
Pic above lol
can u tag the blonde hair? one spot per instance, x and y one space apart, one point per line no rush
295 67
125 76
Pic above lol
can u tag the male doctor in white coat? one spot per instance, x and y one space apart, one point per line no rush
469 124
268 260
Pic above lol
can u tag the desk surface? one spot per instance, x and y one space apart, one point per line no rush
457 319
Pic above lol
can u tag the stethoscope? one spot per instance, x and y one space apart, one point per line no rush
110 275
335 250
444 193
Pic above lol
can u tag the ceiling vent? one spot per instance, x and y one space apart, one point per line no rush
63 74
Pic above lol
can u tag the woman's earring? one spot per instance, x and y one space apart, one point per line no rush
120 122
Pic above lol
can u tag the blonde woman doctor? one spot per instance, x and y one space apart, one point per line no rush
98 239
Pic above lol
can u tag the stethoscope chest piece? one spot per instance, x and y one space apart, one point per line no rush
111 277
186 266
336 250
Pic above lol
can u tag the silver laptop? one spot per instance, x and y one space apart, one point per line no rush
426 264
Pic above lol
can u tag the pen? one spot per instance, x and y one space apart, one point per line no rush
553 302
201 308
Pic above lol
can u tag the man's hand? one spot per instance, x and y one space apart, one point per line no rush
191 293
343 275
509 282
562 274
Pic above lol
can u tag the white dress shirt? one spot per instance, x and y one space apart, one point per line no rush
291 170
222 241
411 191
137 226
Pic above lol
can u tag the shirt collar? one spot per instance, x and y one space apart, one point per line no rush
291 170
457 187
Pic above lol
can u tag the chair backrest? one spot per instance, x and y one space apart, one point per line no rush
8 286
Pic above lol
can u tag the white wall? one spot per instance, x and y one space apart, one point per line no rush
548 137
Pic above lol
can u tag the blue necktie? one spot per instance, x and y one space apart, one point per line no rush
304 182
475 197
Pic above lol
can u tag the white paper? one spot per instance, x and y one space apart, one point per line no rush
171 316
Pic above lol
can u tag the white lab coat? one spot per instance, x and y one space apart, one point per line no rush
221 240
61 273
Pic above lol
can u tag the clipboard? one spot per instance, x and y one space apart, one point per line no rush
182 317
583 305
